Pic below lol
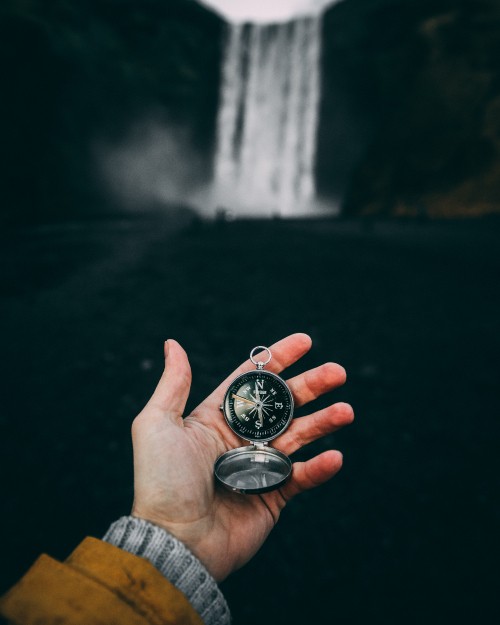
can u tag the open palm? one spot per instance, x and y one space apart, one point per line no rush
174 458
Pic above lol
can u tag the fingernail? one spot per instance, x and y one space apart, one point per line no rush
165 348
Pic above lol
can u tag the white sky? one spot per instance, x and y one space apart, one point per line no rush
265 10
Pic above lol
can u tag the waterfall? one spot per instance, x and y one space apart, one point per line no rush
268 113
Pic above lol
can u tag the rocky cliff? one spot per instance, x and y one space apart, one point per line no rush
418 85
80 72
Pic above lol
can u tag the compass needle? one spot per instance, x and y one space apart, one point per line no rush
242 399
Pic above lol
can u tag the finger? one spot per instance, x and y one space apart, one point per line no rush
311 384
172 392
284 353
305 430
312 473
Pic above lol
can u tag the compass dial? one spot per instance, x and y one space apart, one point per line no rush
258 406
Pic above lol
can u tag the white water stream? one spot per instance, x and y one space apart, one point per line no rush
268 117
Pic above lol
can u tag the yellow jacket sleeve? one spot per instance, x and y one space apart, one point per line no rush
98 584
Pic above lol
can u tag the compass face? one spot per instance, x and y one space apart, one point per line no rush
258 406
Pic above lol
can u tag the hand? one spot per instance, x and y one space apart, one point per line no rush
174 458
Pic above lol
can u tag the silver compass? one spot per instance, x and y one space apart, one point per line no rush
258 407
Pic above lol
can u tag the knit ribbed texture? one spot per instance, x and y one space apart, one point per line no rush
174 560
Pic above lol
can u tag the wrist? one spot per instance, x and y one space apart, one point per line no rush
175 561
195 536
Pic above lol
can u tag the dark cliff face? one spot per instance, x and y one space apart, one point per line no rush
411 107
80 72
409 120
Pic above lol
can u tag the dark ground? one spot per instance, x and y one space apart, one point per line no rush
405 533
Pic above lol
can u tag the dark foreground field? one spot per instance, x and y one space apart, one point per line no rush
405 534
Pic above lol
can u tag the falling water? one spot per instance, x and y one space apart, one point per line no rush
268 118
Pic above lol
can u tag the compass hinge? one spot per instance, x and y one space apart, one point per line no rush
260 444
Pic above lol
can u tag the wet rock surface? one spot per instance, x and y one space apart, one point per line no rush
409 117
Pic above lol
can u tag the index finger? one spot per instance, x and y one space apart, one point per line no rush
284 353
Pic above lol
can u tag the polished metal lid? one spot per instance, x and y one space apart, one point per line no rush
253 469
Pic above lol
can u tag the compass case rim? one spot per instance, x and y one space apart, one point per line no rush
250 450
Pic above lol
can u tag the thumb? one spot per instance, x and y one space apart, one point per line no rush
172 392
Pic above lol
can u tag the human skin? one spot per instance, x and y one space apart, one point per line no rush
174 458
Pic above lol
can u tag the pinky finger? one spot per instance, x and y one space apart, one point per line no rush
312 473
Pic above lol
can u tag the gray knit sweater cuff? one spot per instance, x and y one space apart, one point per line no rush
174 560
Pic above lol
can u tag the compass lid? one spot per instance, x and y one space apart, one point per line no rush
253 469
